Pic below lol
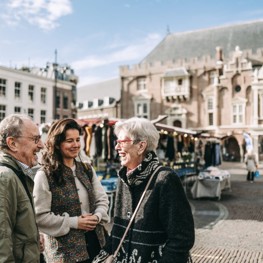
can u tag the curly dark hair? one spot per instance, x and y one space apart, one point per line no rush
52 158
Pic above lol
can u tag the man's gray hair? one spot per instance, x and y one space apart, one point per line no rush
11 126
139 129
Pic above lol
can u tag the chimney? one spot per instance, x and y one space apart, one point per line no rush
219 54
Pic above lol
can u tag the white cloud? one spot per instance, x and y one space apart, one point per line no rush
43 13
129 53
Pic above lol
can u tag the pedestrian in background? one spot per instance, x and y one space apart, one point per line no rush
163 229
251 161
19 144
71 204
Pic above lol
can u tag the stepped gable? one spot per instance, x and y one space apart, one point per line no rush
196 44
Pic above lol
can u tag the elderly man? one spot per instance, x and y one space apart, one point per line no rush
19 144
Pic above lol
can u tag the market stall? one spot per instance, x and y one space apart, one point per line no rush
177 149
211 182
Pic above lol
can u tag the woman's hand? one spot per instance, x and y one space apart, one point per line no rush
87 222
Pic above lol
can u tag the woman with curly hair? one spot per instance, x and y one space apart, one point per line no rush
71 204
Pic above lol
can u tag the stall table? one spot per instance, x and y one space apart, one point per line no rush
211 186
110 186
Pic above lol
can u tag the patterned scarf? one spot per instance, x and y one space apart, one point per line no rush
141 172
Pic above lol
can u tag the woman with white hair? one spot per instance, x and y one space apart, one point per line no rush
163 228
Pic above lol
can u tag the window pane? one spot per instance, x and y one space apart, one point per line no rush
31 92
43 95
31 113
17 89
65 102
145 110
210 104
210 120
180 81
169 86
2 111
42 116
2 87
17 109
238 113
139 109
141 84
58 100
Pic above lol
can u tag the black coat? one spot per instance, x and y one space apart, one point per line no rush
163 230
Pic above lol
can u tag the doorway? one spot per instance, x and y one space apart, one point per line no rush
231 150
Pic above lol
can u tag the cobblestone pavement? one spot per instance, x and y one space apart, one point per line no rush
230 230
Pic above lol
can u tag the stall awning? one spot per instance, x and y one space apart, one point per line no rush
170 128
159 118
90 121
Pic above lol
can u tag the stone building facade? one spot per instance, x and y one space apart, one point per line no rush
45 94
210 81
64 88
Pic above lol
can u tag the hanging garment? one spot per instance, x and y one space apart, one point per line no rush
88 131
170 151
212 154
93 143
110 143
98 141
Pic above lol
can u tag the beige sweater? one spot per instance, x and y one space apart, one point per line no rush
59 225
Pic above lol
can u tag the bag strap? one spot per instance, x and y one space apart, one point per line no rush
21 177
135 212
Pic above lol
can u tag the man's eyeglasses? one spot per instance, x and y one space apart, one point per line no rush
123 142
35 138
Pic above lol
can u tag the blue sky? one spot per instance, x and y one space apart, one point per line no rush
95 37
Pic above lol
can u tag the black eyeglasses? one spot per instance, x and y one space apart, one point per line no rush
35 138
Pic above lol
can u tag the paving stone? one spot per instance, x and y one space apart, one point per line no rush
230 230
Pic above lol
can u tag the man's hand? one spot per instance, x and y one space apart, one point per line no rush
42 242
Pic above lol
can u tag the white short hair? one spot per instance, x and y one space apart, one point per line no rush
139 129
